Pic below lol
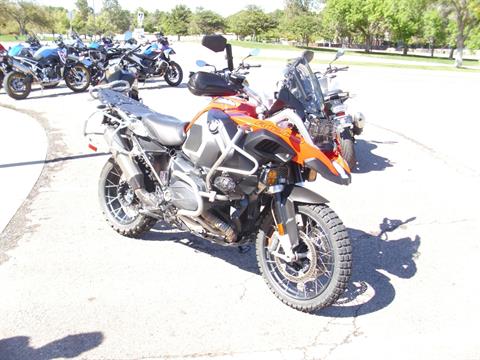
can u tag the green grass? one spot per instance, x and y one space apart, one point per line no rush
12 38
386 56
377 65
21 38
260 45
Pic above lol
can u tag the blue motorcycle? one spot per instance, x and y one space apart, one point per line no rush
47 66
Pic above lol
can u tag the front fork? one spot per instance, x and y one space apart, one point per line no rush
286 236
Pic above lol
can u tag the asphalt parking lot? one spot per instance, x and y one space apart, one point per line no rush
72 288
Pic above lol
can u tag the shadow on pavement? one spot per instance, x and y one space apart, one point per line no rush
158 84
18 347
369 289
374 257
55 160
241 257
367 161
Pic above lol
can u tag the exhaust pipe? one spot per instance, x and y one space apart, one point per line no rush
18 66
226 229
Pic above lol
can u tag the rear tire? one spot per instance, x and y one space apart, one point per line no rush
174 74
77 78
17 85
347 144
119 204
321 277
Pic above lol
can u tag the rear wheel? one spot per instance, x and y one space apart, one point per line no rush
174 74
322 271
119 203
17 85
77 78
347 144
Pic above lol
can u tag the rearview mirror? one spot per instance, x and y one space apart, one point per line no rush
340 52
216 43
254 52
308 55
200 63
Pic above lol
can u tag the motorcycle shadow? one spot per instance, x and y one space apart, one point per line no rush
241 257
367 161
374 256
60 90
158 84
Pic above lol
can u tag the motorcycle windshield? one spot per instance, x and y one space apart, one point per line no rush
16 50
304 85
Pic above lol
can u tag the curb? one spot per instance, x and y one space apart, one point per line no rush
23 150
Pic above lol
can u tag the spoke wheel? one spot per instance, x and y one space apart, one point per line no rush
119 203
322 269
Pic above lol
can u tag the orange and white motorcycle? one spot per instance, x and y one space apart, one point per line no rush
235 174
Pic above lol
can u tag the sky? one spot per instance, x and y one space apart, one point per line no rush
223 7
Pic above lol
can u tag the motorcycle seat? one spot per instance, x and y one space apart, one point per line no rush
167 130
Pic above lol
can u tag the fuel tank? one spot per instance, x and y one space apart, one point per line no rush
209 136
46 52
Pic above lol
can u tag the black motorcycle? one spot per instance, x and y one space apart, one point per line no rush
155 61
47 66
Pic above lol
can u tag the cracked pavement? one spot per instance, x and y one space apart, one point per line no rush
72 288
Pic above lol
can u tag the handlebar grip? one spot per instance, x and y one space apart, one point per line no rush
256 66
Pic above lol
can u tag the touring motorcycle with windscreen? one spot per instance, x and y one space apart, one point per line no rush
235 174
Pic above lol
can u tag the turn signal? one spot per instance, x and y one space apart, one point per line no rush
272 176
312 175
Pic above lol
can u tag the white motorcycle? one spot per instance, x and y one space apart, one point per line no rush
347 125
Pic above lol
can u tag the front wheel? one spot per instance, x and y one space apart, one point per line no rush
322 270
174 74
119 203
347 144
77 77
17 85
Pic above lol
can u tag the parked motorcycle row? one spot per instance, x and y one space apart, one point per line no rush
80 66
238 172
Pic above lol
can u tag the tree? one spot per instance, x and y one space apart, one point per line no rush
363 18
252 21
296 7
467 18
25 13
404 19
81 17
206 22
113 18
434 28
58 22
304 27
178 20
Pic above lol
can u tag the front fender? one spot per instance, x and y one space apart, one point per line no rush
300 193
